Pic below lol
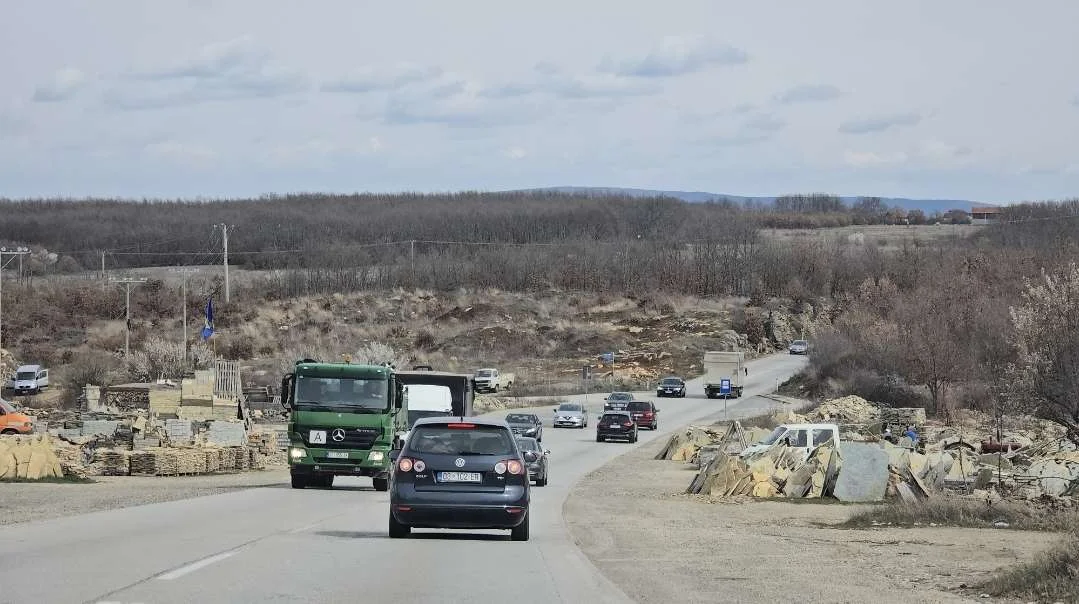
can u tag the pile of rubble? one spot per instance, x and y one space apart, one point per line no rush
28 457
779 471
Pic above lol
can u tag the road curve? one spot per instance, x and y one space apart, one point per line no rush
283 545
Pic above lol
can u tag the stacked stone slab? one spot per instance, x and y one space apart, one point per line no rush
28 458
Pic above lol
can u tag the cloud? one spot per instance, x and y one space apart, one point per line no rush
515 152
808 93
867 159
467 107
676 55
185 153
226 71
879 124
765 123
550 80
376 79
63 86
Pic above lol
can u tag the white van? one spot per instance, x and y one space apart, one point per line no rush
804 437
30 379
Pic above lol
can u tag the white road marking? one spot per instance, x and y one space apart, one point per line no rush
194 566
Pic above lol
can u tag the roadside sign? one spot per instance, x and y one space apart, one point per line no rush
724 386
607 357
586 372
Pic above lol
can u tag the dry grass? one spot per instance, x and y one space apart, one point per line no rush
954 511
1052 576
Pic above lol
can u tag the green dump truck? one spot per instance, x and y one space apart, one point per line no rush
343 421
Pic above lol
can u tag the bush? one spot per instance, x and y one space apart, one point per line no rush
96 369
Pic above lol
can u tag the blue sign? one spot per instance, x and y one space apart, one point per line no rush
724 386
607 357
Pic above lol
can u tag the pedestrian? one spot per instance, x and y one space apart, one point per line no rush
912 435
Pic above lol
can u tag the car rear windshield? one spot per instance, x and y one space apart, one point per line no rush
449 440
614 417
620 396
671 381
640 406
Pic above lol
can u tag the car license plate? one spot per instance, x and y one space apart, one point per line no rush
615 426
337 454
459 477
317 437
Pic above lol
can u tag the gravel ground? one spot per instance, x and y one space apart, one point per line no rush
29 501
632 520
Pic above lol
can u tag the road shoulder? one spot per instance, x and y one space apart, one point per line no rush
632 521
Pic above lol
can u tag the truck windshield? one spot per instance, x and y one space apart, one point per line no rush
356 395
26 375
484 373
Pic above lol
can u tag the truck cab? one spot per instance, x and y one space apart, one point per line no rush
30 379
344 420
804 437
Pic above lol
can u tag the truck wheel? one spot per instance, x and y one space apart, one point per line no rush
520 532
599 438
398 530
327 482
380 484
299 481
9 431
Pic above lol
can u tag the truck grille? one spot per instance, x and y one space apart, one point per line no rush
354 438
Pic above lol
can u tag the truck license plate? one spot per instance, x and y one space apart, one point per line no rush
459 477
337 454
317 437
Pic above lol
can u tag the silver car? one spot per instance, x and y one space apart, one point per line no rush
798 347
570 415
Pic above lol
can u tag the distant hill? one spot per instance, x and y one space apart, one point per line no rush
926 205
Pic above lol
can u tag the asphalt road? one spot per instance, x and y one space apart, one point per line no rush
276 544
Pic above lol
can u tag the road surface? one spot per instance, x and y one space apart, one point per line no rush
276 544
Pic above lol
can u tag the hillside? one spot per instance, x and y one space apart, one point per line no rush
926 205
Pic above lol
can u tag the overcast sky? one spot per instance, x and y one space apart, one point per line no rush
965 99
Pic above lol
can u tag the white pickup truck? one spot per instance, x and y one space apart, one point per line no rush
800 436
491 380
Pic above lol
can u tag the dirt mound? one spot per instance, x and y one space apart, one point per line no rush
846 410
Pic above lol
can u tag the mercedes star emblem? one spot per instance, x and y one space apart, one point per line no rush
338 435
459 462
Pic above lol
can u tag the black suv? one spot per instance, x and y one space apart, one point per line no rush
616 424
671 386
644 413
459 473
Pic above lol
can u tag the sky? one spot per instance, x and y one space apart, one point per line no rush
964 99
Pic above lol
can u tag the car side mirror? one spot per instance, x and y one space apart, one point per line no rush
547 452
394 454
531 456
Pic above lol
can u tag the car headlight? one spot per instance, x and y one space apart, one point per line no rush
296 453
376 456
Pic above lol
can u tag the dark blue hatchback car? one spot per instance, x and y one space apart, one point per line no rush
459 473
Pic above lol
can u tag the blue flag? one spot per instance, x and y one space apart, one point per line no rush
208 325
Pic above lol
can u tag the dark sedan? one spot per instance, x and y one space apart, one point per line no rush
459 473
535 459
616 425
671 386
526 424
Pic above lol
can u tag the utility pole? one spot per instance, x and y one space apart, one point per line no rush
127 313
103 280
225 240
185 272
412 254
16 251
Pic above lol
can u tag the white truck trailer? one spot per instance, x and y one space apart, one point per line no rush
724 374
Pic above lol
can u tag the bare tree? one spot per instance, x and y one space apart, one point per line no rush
1047 339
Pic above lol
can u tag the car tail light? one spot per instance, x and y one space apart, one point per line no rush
648 414
515 467
418 465
404 464
500 467
461 426
627 424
